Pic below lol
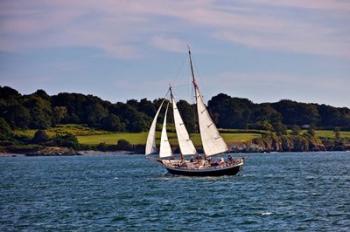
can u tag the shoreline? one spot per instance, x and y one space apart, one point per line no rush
63 151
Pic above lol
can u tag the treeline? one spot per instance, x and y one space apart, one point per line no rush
41 111
229 112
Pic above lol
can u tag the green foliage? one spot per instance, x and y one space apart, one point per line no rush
112 123
230 112
40 137
296 130
41 111
279 128
5 130
337 133
65 140
123 144
264 125
311 131
189 115
59 114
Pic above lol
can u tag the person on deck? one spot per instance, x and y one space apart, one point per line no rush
222 161
229 157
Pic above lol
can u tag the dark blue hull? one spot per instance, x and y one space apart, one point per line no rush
205 172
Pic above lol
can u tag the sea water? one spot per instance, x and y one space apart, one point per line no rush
273 192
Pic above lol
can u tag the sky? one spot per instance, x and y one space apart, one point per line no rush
264 50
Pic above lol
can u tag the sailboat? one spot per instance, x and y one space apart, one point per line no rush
189 162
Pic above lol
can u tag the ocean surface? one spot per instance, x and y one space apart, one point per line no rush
274 192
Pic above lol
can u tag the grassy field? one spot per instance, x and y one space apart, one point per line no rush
330 134
91 136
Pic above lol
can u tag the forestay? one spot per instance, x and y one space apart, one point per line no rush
165 149
185 143
212 142
151 146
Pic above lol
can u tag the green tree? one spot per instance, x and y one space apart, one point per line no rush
18 115
5 130
40 136
147 107
123 144
40 110
188 114
59 114
66 140
337 133
95 113
279 128
296 130
112 123
311 131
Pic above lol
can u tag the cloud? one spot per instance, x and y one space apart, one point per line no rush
169 44
124 28
259 86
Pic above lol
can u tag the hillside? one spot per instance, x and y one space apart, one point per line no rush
41 111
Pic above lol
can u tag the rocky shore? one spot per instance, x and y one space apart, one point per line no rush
54 151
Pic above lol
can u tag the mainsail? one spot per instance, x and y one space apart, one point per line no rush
185 143
165 149
212 142
151 146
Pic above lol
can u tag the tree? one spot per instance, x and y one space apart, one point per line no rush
112 123
7 92
18 115
59 114
230 112
147 107
123 144
337 134
188 114
95 113
66 140
279 128
264 125
40 136
296 130
5 130
311 131
40 111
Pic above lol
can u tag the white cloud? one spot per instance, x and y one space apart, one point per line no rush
122 28
169 44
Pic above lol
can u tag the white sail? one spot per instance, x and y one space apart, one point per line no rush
151 146
212 142
185 143
165 149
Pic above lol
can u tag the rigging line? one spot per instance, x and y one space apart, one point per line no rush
179 70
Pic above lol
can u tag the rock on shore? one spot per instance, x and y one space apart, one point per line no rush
54 151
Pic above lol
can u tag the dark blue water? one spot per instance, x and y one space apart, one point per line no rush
274 192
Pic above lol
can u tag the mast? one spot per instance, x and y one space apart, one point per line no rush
192 72
172 101
212 142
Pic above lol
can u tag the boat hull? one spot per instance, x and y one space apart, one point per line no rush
233 170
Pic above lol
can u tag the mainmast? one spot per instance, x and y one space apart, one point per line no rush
192 71
212 142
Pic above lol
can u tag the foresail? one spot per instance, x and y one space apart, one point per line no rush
212 142
151 146
185 143
165 149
